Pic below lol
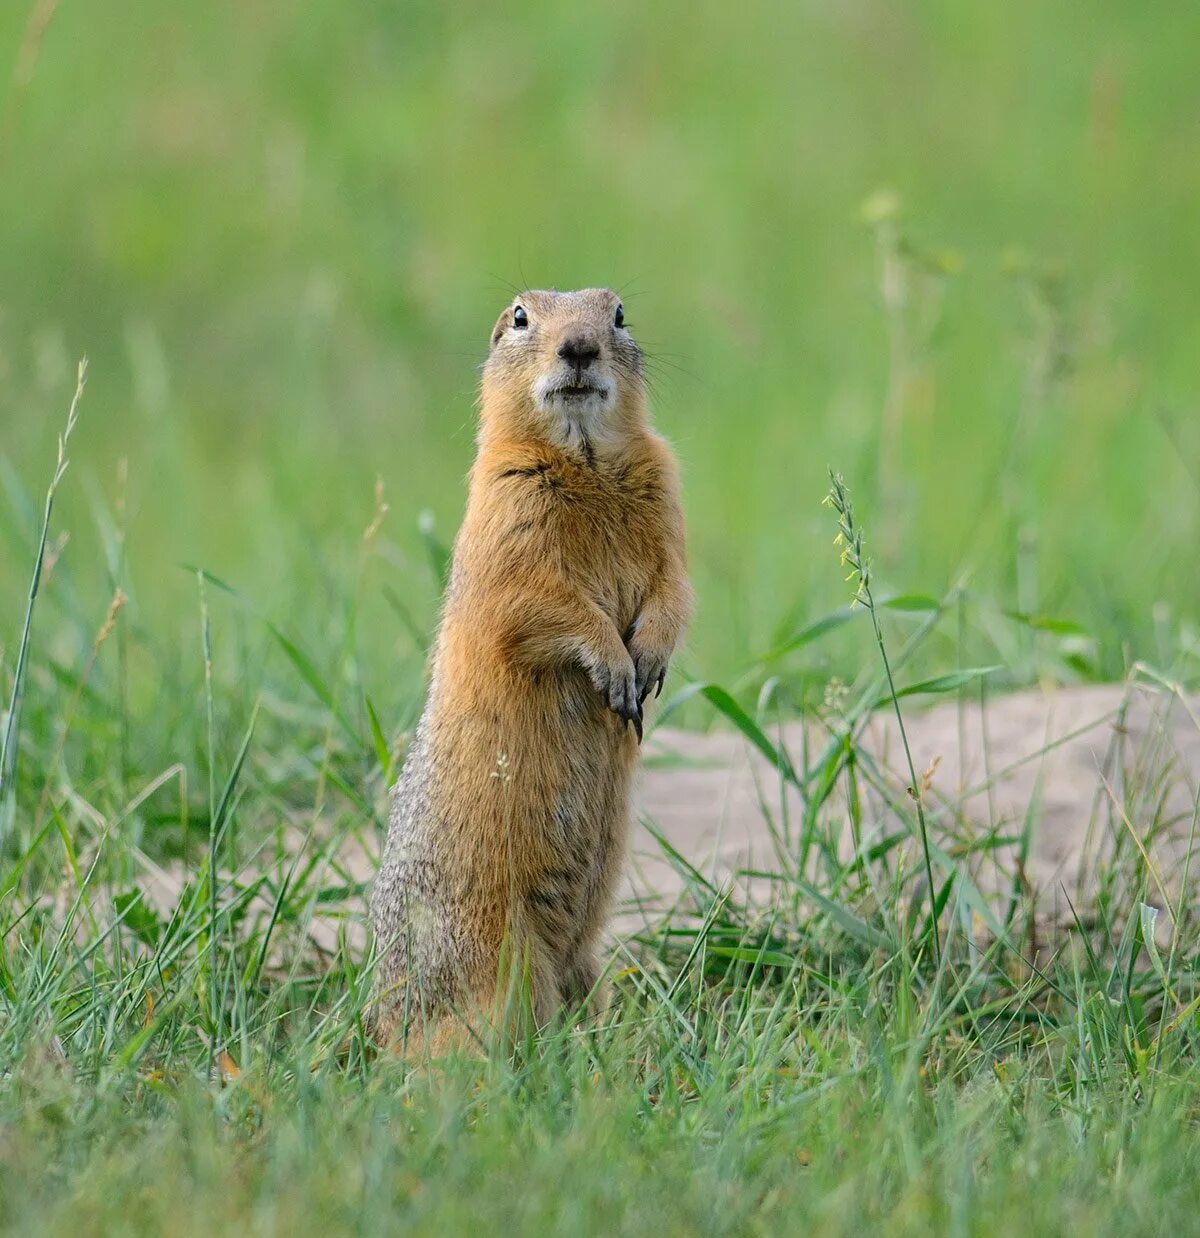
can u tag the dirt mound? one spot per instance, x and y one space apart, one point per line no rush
1061 780
1075 772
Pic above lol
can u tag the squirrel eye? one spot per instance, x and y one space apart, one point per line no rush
619 320
520 318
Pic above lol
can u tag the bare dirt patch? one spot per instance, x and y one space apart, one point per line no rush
1080 774
1086 771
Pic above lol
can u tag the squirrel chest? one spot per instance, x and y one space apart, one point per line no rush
599 526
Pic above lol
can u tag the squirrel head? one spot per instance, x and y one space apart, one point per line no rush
563 367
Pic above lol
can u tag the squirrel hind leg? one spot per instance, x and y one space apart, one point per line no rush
430 1037
585 992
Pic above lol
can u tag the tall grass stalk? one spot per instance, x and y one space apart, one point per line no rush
8 751
850 539
214 1010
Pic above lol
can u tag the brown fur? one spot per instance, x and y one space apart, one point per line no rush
567 596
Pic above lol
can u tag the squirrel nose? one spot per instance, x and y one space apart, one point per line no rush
579 350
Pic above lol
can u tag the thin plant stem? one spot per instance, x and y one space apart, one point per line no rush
8 750
213 840
850 539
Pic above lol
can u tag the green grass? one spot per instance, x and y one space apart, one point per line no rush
810 1064
280 233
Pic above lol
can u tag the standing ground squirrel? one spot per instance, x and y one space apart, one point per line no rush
567 595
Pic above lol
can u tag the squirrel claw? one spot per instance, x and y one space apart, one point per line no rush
637 724
652 686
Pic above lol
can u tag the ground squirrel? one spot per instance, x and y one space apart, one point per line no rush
567 595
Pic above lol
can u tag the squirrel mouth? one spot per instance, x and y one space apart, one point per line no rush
576 391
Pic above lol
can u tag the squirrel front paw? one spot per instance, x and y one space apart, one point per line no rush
650 661
618 686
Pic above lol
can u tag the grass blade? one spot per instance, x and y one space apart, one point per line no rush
8 747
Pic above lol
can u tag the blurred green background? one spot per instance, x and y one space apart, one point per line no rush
951 250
